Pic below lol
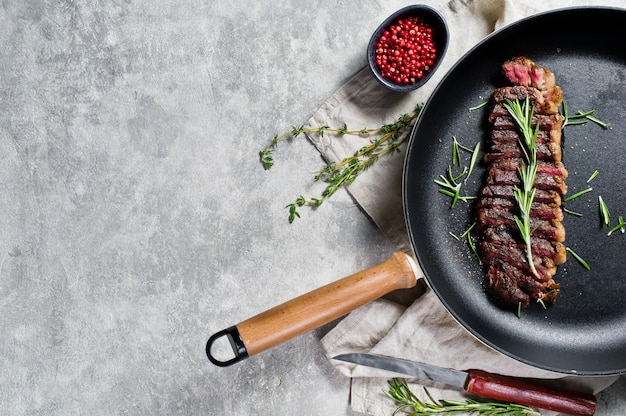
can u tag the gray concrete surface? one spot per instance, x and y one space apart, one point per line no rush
136 219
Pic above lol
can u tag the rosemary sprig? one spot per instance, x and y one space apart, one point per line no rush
346 171
450 184
409 403
581 117
522 113
452 188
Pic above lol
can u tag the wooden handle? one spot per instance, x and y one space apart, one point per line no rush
316 308
509 389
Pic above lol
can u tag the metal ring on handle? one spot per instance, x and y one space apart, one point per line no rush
236 343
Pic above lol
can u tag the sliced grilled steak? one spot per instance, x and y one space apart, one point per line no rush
502 249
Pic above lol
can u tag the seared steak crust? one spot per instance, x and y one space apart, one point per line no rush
501 248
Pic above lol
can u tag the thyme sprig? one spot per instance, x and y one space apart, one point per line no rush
522 113
409 403
345 172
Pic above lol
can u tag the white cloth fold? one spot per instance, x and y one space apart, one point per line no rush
424 331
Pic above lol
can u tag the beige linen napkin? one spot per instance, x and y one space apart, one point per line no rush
423 331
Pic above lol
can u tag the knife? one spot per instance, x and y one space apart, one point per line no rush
484 384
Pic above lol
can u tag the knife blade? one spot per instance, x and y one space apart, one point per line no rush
484 384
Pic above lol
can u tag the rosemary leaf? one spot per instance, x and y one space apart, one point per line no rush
621 225
577 257
478 106
473 160
569 211
577 194
593 175
604 212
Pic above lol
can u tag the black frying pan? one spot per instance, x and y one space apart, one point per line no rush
585 331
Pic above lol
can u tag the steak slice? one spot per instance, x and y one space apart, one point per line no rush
552 230
543 181
518 92
523 71
545 167
546 122
538 210
540 247
514 286
513 137
503 191
516 257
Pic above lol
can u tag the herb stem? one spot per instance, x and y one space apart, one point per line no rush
345 172
522 113
408 402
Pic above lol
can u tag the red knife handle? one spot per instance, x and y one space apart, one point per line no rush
510 389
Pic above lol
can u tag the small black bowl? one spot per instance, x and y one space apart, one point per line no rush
440 37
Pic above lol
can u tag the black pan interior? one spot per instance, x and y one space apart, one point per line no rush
585 331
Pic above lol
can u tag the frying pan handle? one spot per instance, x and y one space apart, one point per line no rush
316 308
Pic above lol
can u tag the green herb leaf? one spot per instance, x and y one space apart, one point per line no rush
577 257
569 211
621 225
577 194
581 117
345 172
604 212
478 106
522 113
409 403
593 175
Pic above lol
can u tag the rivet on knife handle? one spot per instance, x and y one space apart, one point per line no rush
509 389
